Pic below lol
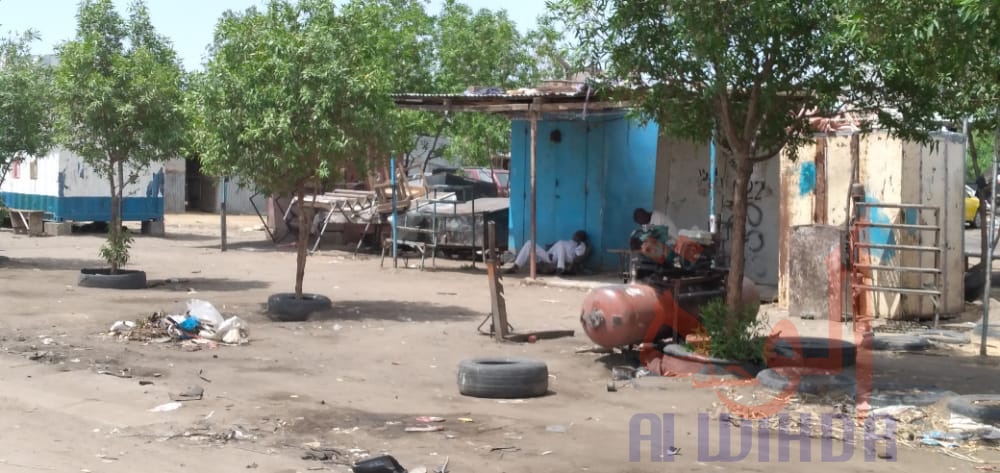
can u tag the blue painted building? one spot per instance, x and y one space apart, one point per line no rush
590 174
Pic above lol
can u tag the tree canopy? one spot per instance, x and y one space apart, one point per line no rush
119 101
747 73
26 102
293 93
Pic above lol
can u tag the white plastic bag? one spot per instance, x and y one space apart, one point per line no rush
206 313
233 331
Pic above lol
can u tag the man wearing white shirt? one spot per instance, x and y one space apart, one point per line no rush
562 253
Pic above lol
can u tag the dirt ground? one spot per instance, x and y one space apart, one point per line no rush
351 379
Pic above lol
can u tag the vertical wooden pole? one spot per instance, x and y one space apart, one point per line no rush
395 215
222 209
534 216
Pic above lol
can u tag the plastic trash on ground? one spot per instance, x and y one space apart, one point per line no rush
205 312
233 331
122 326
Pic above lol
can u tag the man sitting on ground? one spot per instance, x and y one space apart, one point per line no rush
562 253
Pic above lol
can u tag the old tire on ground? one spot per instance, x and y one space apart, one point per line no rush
943 336
981 407
714 366
102 278
503 378
900 343
286 307
815 352
898 395
810 380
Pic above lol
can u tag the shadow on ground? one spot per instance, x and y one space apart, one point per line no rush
53 264
205 284
263 246
395 310
180 236
961 374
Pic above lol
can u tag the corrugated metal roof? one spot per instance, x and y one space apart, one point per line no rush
488 96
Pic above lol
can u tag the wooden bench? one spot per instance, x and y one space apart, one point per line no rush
30 222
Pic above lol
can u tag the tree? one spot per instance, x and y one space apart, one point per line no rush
118 89
479 49
934 63
743 71
290 94
399 34
25 102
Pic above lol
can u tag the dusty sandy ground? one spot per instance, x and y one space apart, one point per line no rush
352 379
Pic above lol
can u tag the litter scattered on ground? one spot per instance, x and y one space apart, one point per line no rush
430 419
425 428
193 393
170 406
201 325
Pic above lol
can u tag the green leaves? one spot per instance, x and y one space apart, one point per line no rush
291 93
26 98
118 86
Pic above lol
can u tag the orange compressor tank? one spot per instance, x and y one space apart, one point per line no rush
622 315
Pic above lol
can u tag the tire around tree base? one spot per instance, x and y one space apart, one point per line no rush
893 394
286 307
984 408
813 352
806 380
900 343
503 378
102 278
714 366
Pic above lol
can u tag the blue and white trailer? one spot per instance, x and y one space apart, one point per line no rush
67 189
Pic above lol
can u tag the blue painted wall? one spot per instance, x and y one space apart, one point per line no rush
592 179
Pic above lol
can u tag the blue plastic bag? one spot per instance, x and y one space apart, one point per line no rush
189 325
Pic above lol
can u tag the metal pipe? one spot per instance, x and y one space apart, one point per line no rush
395 245
711 184
699 294
988 267
534 217
222 209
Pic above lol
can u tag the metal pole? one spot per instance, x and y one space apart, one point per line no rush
534 217
711 184
222 209
395 246
988 267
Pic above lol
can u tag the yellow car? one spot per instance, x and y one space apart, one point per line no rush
972 208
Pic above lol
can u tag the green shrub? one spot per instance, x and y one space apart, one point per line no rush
115 250
732 334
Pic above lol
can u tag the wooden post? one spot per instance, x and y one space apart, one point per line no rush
498 306
222 209
534 217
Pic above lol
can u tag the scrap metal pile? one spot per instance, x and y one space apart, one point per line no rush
667 286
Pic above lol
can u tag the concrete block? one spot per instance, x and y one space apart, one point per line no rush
58 228
154 228
809 285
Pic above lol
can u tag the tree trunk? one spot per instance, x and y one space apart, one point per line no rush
430 152
114 228
738 236
302 247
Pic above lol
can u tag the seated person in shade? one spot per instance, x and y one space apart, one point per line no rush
562 253
646 232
